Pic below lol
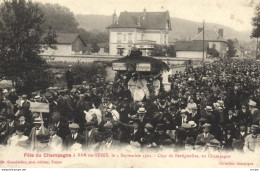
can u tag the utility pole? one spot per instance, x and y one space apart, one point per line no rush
256 48
203 43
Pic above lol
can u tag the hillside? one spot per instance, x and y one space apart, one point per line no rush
181 29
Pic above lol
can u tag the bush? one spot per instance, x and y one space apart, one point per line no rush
163 50
82 71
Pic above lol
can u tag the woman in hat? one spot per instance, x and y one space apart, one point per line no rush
22 121
18 140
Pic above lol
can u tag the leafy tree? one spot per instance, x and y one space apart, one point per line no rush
171 51
95 47
22 39
59 18
159 50
256 22
231 49
163 50
213 52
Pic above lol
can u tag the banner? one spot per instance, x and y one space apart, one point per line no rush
143 67
39 107
119 66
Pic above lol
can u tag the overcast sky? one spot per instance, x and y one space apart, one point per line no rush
233 13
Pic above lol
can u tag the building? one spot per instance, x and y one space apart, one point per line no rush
138 29
194 48
190 49
67 44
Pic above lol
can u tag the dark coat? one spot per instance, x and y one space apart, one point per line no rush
201 137
93 138
69 141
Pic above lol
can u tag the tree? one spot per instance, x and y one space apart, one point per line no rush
231 49
159 50
256 26
256 23
213 52
59 18
171 51
22 39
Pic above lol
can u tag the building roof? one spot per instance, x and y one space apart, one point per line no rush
67 38
194 45
147 20
211 35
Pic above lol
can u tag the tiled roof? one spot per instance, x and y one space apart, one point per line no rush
209 35
151 20
66 38
195 45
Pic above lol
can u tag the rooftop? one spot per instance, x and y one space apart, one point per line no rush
144 20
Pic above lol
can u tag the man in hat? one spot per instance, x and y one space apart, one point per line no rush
148 139
3 130
92 136
241 135
160 135
143 117
25 107
61 124
194 114
205 136
39 135
244 114
214 146
55 142
69 78
254 111
183 117
74 140
95 98
229 137
251 139
135 133
109 143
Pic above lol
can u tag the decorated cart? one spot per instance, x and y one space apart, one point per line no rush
141 75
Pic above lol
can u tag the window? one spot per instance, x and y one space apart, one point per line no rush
124 37
119 37
165 37
130 35
142 38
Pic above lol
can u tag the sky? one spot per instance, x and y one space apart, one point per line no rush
236 14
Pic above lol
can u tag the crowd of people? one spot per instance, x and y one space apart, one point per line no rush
209 108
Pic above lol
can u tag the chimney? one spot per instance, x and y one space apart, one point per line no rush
200 30
144 13
221 33
114 18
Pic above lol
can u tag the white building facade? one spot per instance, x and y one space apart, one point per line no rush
138 29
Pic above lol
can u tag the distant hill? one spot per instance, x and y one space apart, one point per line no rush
181 29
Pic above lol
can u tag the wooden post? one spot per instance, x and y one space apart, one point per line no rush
42 124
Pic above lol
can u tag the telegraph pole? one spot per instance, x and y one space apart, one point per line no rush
256 48
203 29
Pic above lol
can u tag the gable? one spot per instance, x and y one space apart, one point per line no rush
147 20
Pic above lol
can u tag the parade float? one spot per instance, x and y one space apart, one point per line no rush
142 75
